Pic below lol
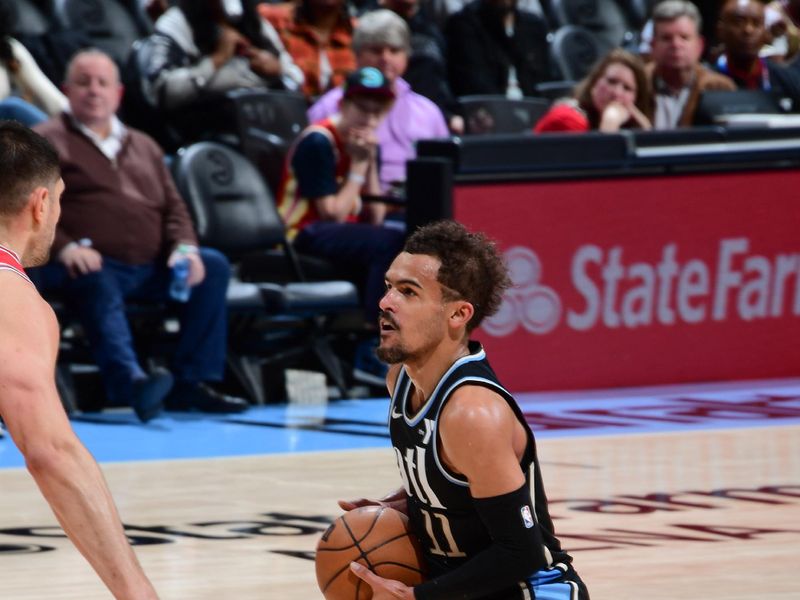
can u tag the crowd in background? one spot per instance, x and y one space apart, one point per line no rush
375 77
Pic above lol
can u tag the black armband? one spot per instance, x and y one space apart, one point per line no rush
516 551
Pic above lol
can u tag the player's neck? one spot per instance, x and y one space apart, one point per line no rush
427 371
10 241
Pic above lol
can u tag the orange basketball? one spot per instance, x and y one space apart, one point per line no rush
378 538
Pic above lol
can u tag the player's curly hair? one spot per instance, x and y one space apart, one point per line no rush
471 268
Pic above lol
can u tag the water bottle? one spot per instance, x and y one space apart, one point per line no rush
179 289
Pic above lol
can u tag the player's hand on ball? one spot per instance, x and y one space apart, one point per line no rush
382 589
396 500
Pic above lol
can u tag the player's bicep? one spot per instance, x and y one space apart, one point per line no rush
28 397
476 432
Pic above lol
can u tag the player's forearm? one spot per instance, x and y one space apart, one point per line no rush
72 483
516 552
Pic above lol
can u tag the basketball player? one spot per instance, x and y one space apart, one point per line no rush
67 475
462 444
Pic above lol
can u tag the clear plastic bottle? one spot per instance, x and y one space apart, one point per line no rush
179 289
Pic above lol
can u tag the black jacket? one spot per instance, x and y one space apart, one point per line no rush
427 70
479 53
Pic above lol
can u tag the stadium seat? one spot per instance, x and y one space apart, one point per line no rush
574 50
606 19
234 212
498 114
111 25
553 90
714 105
266 122
29 17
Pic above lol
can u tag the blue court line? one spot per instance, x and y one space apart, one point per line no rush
117 436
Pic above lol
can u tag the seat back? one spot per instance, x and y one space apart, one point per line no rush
266 123
28 17
553 90
232 207
715 104
498 114
139 108
574 50
606 19
277 112
640 10
111 25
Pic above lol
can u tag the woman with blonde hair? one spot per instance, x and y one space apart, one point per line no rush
615 95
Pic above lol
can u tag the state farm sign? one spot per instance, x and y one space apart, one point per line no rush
644 280
615 293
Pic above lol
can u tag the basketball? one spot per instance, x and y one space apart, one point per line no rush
375 536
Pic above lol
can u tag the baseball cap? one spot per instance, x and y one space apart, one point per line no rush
368 81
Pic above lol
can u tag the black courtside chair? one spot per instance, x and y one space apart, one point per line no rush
271 321
498 114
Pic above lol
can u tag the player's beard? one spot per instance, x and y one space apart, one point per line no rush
399 352
39 253
393 355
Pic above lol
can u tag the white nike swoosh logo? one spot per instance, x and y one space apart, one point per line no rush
395 414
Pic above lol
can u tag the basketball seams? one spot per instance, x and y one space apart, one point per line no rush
383 556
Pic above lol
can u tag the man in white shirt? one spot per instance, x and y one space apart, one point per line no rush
676 75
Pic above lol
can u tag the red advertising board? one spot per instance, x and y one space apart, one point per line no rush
643 280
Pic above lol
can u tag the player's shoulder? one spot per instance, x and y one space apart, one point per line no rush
474 407
21 306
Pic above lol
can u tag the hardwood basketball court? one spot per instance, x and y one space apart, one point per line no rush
670 493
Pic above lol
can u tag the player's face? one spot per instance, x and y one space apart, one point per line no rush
413 318
39 253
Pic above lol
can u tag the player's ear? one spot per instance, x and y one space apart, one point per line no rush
38 204
461 313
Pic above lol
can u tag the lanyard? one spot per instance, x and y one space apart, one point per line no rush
722 67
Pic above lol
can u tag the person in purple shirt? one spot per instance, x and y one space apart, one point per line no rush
382 40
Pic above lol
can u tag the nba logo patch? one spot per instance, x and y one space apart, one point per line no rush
525 511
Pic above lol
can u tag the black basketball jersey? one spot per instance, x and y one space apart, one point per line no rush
440 506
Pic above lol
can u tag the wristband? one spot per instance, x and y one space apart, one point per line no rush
356 178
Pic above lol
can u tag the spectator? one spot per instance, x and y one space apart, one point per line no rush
741 30
781 19
613 96
427 65
332 164
676 76
122 226
495 48
382 40
26 94
204 48
154 8
440 10
318 34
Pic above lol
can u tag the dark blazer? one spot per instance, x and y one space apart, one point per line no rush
479 53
